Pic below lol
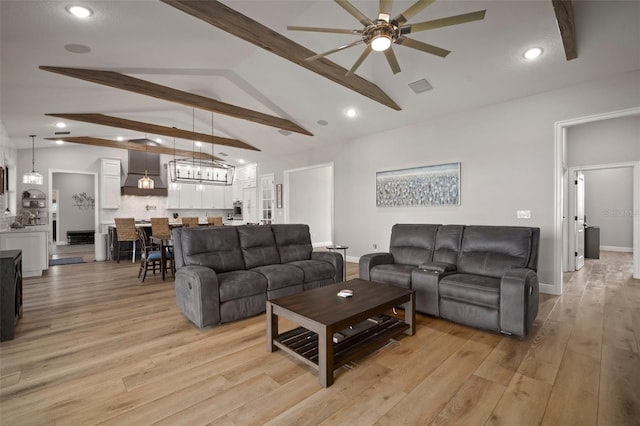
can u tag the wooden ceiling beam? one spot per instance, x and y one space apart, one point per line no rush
143 87
87 140
564 16
233 22
139 126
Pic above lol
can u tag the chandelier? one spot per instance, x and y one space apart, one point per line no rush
33 177
201 172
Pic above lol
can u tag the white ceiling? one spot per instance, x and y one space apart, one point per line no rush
150 40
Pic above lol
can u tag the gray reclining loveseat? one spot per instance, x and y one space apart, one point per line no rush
225 273
481 276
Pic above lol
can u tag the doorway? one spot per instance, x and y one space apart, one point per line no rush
308 198
562 236
82 211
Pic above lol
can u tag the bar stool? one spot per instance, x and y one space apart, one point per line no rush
214 220
189 221
126 232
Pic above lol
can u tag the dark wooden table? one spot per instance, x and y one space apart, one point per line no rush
321 313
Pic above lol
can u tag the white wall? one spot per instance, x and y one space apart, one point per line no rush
507 159
609 205
310 193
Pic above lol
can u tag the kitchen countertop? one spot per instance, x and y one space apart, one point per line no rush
30 228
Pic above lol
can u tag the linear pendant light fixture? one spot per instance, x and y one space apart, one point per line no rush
33 177
201 172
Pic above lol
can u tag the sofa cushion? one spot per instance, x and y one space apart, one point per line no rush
293 242
258 246
217 248
315 270
448 240
238 284
492 250
412 244
398 275
279 276
472 289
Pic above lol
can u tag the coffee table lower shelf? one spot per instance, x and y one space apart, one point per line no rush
303 344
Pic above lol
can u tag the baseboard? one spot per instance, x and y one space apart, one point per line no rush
616 248
353 259
321 244
547 288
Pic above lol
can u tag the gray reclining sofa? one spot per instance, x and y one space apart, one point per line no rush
225 273
481 276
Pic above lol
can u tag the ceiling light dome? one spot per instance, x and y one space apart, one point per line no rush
79 11
381 43
532 53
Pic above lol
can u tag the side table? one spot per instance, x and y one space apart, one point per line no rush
344 258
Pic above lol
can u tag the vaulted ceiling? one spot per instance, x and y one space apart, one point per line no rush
156 42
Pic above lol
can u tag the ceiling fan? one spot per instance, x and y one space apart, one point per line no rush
381 33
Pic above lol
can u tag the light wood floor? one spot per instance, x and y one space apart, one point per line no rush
94 346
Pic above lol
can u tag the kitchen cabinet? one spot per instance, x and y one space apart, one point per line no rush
245 177
173 195
213 197
34 244
109 183
228 197
190 197
10 292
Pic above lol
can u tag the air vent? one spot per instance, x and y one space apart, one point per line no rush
284 132
61 133
223 154
420 86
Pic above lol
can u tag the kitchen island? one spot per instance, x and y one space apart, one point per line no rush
34 243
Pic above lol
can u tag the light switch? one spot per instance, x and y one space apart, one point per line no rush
523 214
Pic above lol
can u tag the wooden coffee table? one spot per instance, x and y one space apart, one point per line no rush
321 313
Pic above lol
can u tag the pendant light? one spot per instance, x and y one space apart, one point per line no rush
145 182
33 177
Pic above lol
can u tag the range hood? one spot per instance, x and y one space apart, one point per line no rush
139 161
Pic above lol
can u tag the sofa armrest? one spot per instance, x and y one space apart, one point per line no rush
333 258
197 294
439 267
370 260
519 295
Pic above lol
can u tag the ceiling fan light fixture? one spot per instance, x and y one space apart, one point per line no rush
381 42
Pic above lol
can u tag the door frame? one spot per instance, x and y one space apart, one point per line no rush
96 219
559 227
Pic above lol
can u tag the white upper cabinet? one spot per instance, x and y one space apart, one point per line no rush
109 183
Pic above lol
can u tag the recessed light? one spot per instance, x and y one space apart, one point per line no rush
241 161
59 142
198 143
120 138
158 140
351 112
532 53
77 48
79 11
60 125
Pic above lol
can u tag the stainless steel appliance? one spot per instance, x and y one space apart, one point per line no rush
237 210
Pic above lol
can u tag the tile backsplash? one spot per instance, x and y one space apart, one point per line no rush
5 220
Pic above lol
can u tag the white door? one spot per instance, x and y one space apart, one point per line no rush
579 220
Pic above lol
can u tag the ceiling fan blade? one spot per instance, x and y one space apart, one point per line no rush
419 45
324 30
359 61
393 61
412 10
385 7
446 22
355 12
346 46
